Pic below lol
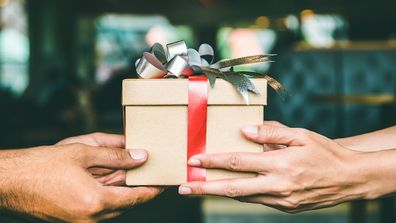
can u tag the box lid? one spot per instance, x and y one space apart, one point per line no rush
175 92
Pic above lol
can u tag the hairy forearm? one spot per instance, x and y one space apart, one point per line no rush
8 162
13 164
384 139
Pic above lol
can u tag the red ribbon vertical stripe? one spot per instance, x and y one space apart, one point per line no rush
197 116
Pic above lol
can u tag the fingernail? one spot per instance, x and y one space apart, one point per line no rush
138 154
251 130
183 190
194 162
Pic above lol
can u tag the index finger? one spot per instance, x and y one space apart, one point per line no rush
109 140
271 134
126 197
96 139
228 188
243 162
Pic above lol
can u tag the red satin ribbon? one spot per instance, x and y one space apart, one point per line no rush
197 116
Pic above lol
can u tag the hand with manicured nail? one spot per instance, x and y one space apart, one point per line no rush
310 171
56 183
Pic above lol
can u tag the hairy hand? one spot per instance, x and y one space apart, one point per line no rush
106 176
53 182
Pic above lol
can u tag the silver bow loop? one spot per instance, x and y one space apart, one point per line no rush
177 65
207 53
161 62
150 67
159 52
176 49
194 58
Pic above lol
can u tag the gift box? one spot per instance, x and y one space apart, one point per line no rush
159 119
186 104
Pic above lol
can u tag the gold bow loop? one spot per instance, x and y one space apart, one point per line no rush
179 61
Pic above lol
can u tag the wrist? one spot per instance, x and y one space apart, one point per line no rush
4 169
8 176
374 174
340 141
348 143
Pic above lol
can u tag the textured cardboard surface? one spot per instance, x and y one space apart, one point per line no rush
161 129
175 92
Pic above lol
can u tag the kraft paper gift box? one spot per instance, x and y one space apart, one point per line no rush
156 119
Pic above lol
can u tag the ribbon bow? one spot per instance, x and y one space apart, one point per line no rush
178 61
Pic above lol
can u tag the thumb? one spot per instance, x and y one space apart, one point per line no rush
114 157
269 134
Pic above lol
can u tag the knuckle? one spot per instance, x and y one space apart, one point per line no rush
232 191
90 205
268 132
283 165
117 154
200 189
285 193
291 204
136 201
77 147
74 150
208 162
65 141
234 162
96 135
286 206
304 133
67 152
261 129
283 190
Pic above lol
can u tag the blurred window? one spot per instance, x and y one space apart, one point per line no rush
322 30
14 46
121 39
239 42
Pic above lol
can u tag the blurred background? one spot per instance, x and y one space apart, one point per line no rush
62 62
